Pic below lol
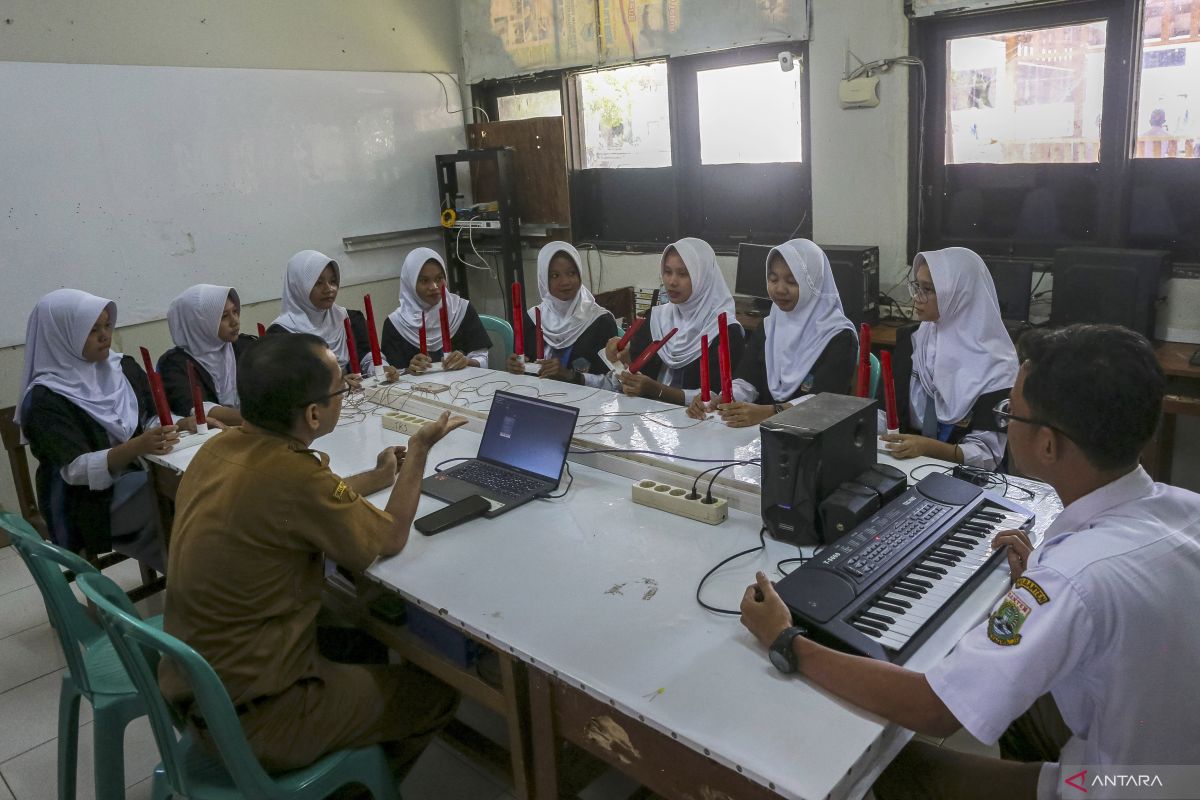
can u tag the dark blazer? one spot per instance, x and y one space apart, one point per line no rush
172 366
471 336
59 432
358 327
980 418
691 371
833 370
588 345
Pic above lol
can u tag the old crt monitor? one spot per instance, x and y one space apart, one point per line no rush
1102 284
1014 286
856 273
807 452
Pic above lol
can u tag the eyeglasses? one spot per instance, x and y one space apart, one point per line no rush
1004 415
919 292
346 389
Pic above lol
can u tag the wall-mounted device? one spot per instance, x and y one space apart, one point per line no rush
859 92
787 61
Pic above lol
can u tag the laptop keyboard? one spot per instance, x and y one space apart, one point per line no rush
497 480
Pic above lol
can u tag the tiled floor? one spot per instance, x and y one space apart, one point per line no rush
31 666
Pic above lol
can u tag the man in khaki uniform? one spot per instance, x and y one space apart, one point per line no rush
256 512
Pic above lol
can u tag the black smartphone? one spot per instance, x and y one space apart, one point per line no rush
453 514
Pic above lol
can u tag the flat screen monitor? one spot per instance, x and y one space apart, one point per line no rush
751 279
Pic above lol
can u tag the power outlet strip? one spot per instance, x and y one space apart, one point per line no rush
674 500
187 439
401 422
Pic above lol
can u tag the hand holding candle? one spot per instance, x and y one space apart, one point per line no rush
376 356
650 351
156 391
354 368
889 393
724 359
197 399
447 347
518 321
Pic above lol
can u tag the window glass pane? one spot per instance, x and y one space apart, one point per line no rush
1167 118
1024 97
531 104
749 114
626 117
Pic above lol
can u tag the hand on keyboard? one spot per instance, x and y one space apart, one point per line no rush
1019 548
766 617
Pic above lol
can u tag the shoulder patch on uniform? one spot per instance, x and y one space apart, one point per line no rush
340 490
1038 592
1005 623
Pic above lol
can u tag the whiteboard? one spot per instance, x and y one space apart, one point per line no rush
134 182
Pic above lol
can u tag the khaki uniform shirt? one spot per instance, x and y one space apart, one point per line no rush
254 514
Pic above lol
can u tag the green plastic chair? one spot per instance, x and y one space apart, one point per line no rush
93 669
874 384
495 325
187 770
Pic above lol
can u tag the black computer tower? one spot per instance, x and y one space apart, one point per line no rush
856 273
1102 284
807 452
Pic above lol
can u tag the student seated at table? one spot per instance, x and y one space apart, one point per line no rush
697 294
310 288
88 416
1093 648
957 365
805 345
257 512
421 279
575 327
205 324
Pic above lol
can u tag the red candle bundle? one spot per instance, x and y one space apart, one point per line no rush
724 360
156 390
350 348
864 359
376 356
649 352
518 320
541 343
197 398
262 330
889 392
424 342
633 327
705 395
445 315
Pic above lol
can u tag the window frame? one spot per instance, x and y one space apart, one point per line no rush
486 94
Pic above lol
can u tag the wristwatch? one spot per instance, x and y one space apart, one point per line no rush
783 656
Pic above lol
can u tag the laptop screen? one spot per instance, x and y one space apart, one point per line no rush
528 434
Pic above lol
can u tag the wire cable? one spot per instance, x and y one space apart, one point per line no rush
762 546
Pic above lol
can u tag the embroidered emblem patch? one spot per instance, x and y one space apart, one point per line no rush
1038 592
1005 623
340 490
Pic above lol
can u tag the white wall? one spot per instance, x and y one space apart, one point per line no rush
372 35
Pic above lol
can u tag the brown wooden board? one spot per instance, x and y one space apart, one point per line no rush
540 164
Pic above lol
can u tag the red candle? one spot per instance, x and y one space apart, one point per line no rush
376 356
197 398
724 360
518 321
864 359
350 347
633 327
262 330
704 391
889 392
424 342
156 391
649 352
541 343
445 315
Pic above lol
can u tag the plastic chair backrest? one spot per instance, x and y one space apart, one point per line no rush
499 326
874 385
140 648
18 462
69 618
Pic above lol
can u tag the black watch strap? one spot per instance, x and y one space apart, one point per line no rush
783 655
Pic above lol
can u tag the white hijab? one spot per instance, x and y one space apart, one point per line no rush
407 316
299 315
696 316
796 338
563 320
194 318
58 329
967 352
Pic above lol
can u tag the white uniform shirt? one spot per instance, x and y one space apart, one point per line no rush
1104 618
